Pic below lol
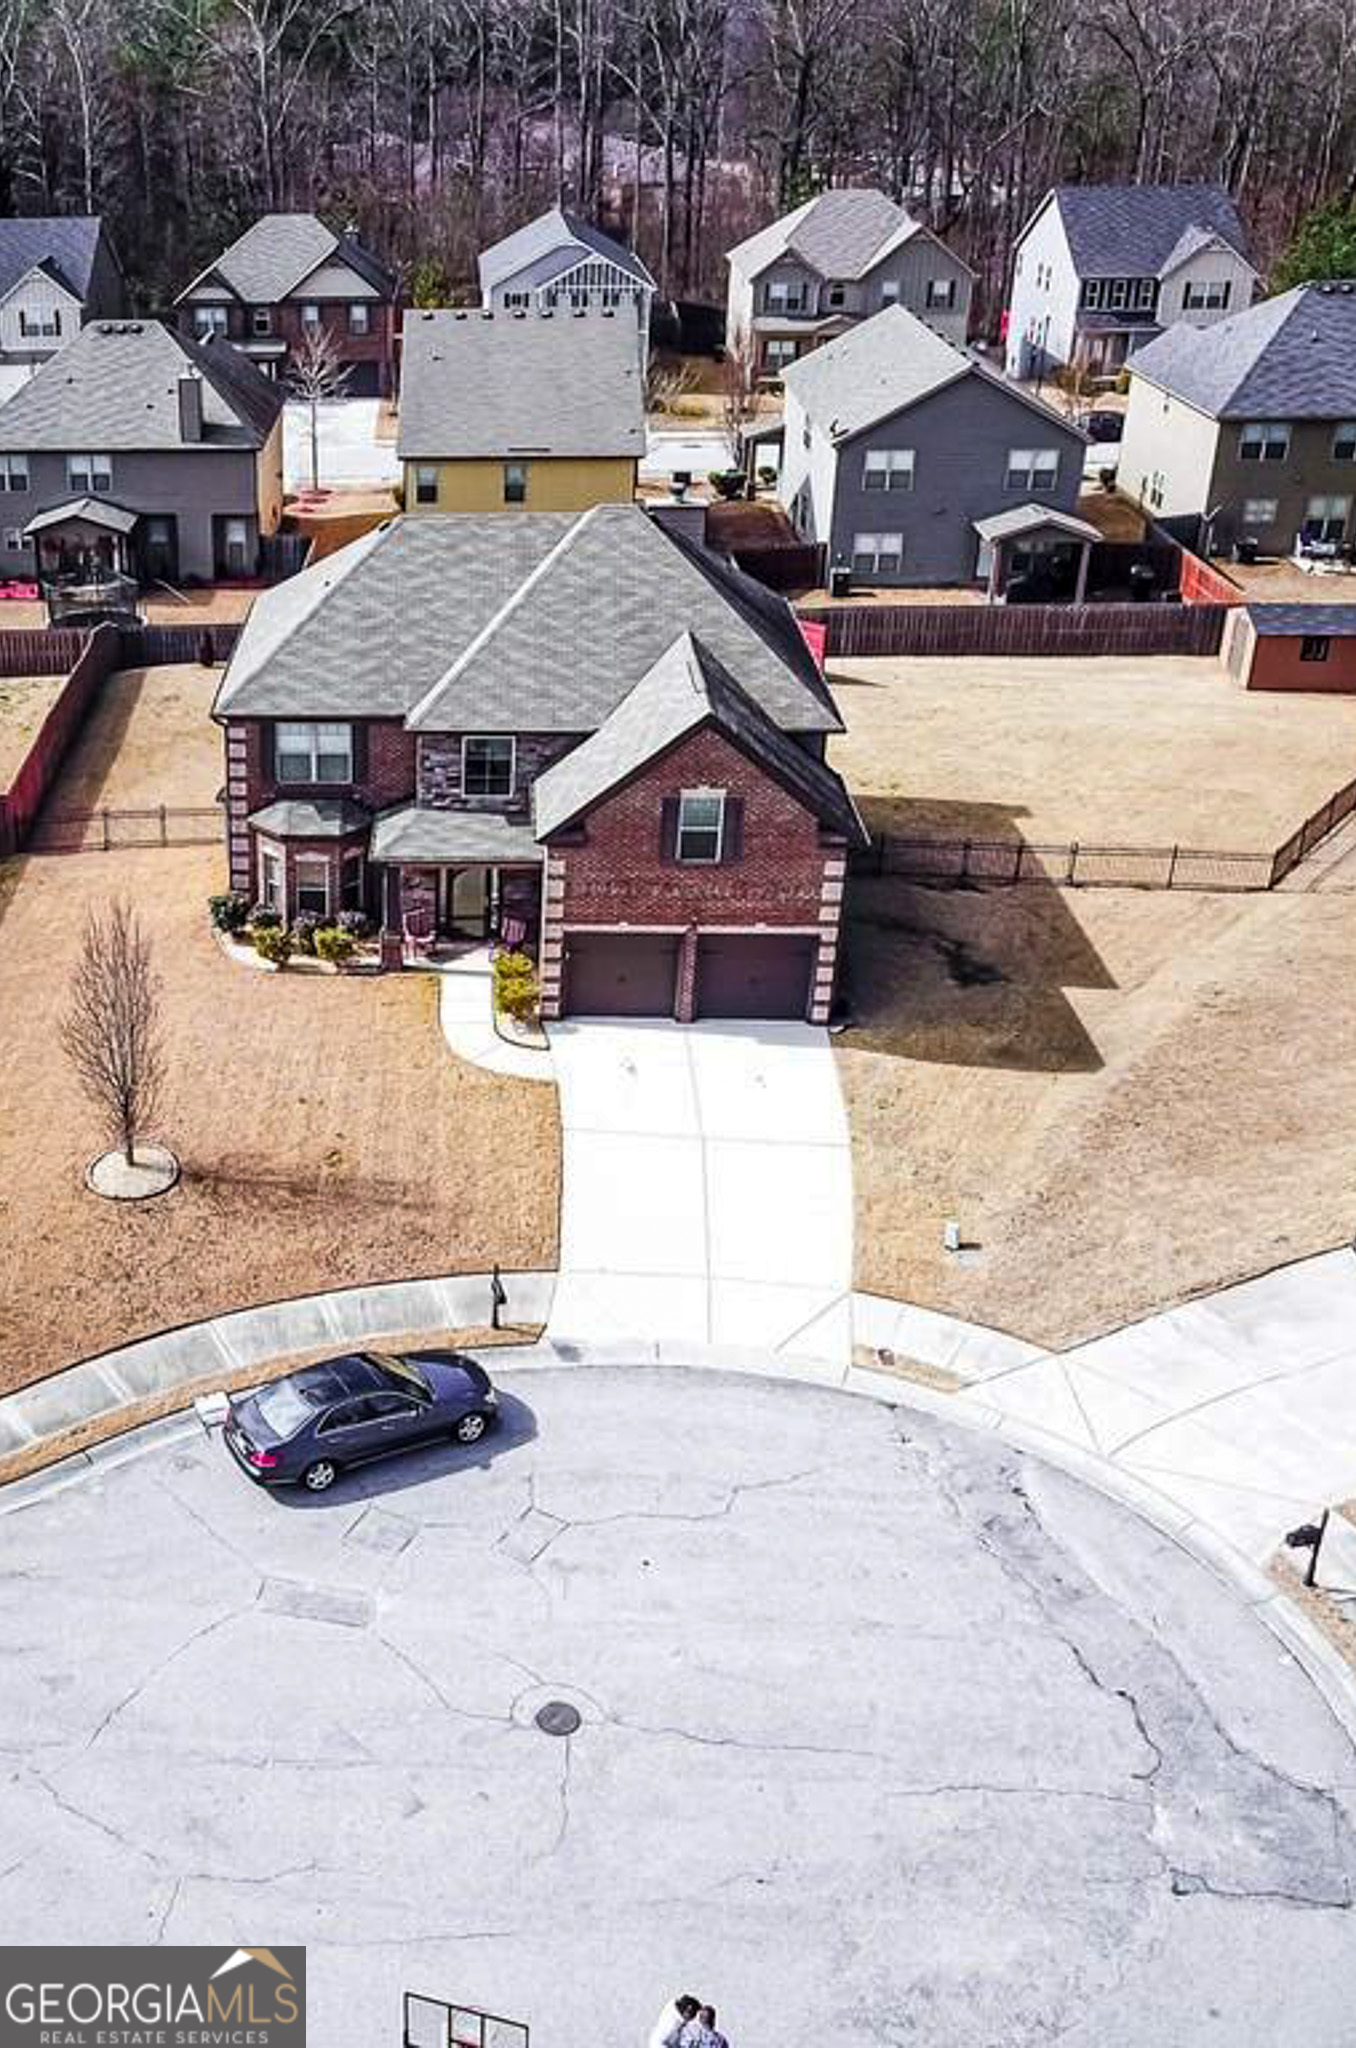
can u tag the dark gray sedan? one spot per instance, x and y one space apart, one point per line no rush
309 1427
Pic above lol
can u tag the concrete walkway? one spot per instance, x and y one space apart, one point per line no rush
1239 1407
707 1186
466 1014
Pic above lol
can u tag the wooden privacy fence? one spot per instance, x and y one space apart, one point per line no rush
95 655
1019 629
1315 827
1072 865
54 651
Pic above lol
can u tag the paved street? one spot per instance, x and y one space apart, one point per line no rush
707 1186
1042 1775
1240 1407
349 450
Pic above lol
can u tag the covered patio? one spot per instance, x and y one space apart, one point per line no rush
451 877
1034 553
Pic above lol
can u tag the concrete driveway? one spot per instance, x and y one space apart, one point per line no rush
707 1186
350 452
887 1735
1240 1407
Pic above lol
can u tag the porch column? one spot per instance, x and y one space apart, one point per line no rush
551 958
995 561
1081 586
392 936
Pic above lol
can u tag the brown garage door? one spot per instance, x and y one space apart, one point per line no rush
620 974
761 975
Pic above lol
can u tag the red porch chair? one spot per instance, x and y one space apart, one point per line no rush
419 934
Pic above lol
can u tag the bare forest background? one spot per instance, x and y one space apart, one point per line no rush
431 126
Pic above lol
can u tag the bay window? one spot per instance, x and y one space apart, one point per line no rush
309 751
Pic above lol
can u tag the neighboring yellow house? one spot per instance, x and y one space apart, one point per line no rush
519 411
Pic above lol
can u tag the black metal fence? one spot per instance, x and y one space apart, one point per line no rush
1075 864
119 830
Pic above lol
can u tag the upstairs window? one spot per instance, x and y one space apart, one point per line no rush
425 484
1344 441
701 825
359 321
837 295
1206 295
1032 469
941 293
888 469
785 295
309 751
517 302
310 317
1264 441
261 320
209 320
89 475
487 766
44 325
13 472
515 483
889 291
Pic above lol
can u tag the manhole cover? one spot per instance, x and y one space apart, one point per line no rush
558 1717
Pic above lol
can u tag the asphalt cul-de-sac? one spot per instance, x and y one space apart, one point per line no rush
884 1734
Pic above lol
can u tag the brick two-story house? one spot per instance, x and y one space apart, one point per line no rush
288 276
56 272
841 257
577 729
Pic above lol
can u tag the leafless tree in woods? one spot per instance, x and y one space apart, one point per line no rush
738 394
316 373
111 1031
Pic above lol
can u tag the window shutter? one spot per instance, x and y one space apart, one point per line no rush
668 829
732 838
358 729
268 749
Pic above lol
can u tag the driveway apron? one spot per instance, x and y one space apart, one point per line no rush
707 1186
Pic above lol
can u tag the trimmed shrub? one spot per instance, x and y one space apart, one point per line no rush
229 913
515 986
356 923
263 917
305 925
767 475
334 945
273 942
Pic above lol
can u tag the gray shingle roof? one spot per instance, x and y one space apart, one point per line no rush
278 251
550 231
839 233
116 386
684 688
526 622
325 817
93 511
1330 621
1133 230
883 365
67 244
1031 519
482 384
419 832
1288 358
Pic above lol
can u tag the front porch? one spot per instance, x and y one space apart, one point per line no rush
452 879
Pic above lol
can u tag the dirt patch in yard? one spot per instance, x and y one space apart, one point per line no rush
328 1138
149 739
24 703
1125 751
1123 1098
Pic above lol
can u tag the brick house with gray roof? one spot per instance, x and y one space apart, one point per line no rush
1098 270
576 732
288 276
1246 431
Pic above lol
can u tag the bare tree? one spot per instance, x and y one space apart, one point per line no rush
111 1030
739 394
317 373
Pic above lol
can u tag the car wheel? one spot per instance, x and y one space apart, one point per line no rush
318 1478
471 1428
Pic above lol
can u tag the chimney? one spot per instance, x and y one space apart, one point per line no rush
190 406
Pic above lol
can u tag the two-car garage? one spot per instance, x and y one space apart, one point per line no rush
738 974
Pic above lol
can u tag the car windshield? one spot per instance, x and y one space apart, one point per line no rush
283 1408
402 1372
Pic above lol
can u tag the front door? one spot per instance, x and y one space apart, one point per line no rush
470 897
159 549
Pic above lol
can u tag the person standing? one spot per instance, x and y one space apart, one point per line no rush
677 2016
702 2032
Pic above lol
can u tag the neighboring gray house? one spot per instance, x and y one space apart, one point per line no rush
55 273
834 261
1100 269
1247 431
560 264
900 452
136 453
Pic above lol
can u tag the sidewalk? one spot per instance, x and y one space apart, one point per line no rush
1240 1407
